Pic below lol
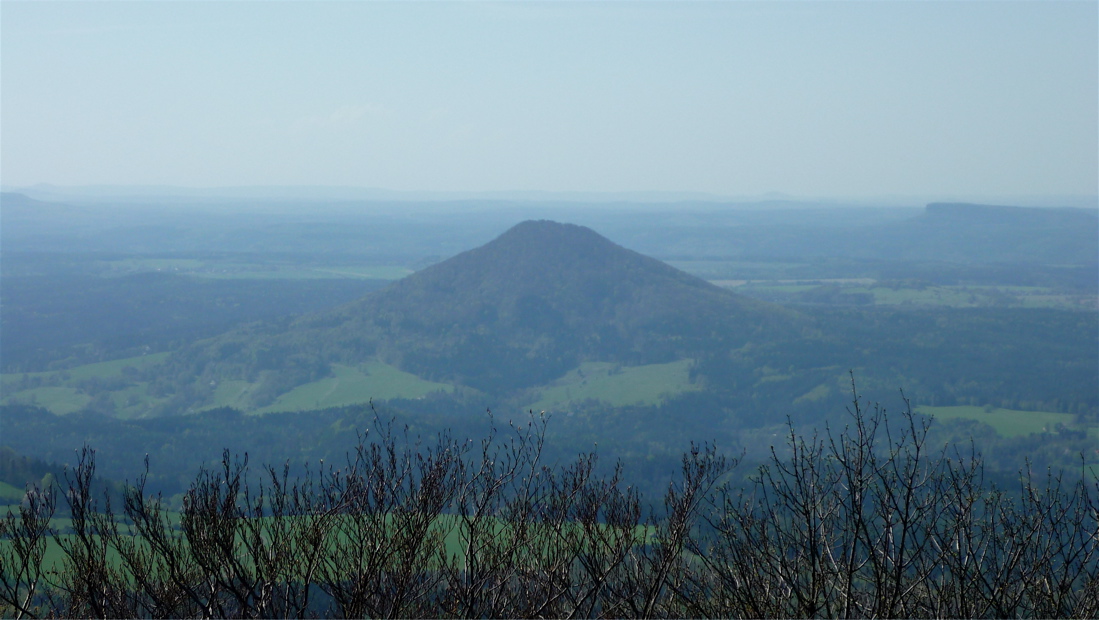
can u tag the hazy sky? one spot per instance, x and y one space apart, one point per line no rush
734 98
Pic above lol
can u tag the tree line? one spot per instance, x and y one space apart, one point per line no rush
860 521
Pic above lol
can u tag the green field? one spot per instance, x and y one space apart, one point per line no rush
1007 422
961 296
743 269
351 385
98 370
57 390
447 527
616 385
237 269
10 494
298 272
59 400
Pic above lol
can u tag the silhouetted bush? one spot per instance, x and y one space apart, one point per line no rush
866 521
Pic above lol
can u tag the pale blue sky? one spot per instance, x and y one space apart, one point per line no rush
733 98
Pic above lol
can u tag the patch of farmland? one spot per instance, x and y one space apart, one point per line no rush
616 385
1007 422
355 385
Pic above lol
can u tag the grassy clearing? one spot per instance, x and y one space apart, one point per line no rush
98 370
737 269
777 287
236 269
296 272
930 296
616 385
981 296
377 272
59 392
9 493
233 394
129 265
814 395
1007 422
351 385
962 296
114 368
59 400
447 529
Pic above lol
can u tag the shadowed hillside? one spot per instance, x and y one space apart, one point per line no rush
543 297
517 312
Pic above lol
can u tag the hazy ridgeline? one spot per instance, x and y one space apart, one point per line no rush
865 521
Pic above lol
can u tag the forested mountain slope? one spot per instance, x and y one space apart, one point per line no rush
516 312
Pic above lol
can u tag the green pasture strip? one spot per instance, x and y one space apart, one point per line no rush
1007 422
125 266
819 393
376 272
447 529
1073 302
294 272
114 367
59 400
736 269
9 493
233 394
970 296
235 269
351 386
777 287
930 296
102 370
617 385
959 296
61 396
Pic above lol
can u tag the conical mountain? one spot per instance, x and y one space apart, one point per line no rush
536 301
541 277
520 311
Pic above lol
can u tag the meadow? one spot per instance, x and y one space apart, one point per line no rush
351 385
67 391
616 385
242 268
1006 422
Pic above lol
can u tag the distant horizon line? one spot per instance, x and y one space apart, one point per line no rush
173 193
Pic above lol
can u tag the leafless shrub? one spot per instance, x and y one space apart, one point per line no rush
866 521
870 523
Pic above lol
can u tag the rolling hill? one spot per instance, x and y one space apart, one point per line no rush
518 312
554 315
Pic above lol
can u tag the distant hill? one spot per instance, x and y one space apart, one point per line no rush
544 296
960 232
22 217
516 312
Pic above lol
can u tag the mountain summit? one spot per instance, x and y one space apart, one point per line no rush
539 299
542 276
519 311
